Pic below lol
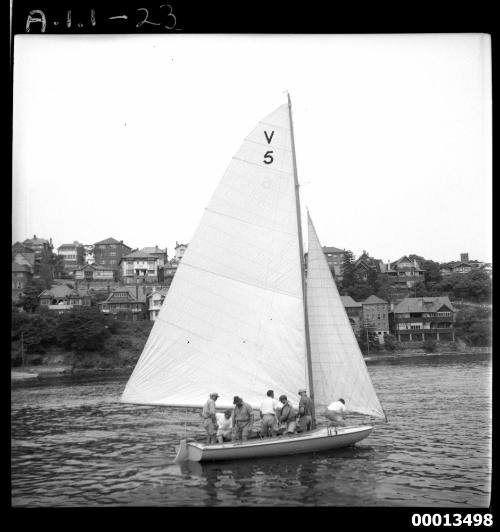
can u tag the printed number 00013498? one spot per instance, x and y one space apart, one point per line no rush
452 519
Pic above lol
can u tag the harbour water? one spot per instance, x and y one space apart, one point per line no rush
75 444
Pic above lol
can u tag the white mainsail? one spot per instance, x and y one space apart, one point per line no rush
338 367
233 318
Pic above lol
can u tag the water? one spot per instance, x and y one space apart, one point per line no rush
74 444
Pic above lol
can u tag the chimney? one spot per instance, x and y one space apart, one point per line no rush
464 257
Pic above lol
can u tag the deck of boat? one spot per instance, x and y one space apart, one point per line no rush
320 439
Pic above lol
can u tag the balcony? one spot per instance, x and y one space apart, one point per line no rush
420 319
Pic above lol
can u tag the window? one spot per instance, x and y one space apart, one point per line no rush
112 253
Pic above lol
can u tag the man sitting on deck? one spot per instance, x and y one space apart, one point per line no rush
209 419
288 415
242 419
225 426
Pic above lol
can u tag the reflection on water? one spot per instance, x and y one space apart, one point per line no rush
75 444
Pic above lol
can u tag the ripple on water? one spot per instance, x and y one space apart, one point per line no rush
74 443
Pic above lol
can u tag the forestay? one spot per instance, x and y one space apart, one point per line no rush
337 363
233 319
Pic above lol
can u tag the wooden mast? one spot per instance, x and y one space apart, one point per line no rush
302 269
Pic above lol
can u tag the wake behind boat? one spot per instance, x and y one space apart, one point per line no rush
240 316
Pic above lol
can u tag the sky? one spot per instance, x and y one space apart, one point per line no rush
127 136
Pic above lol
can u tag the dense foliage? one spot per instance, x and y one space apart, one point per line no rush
474 286
473 326
367 341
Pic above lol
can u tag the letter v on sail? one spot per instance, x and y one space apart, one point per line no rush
235 318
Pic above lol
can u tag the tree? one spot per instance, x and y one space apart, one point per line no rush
28 300
472 286
83 329
385 286
347 270
473 326
38 329
430 345
419 289
367 340
390 342
432 271
414 257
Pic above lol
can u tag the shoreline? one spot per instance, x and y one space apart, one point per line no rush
41 371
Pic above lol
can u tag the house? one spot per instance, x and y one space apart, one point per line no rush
94 272
376 316
72 256
62 298
487 267
42 247
21 277
464 265
22 254
354 311
334 257
162 256
404 272
180 250
89 257
452 267
366 264
138 268
417 319
155 301
171 266
123 299
109 252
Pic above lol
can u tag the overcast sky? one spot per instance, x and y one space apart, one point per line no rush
127 136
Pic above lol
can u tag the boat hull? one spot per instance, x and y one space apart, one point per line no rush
317 440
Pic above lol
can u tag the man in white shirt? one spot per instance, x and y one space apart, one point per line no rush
335 413
268 413
225 423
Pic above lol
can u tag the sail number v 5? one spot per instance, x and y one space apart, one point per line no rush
268 156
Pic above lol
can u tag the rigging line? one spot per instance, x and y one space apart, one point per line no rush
262 166
274 291
248 223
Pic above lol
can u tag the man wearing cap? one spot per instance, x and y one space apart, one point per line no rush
305 411
242 419
209 419
269 412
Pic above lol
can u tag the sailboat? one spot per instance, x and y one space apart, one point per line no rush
241 317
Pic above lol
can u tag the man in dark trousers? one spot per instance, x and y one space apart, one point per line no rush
305 411
242 419
288 415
